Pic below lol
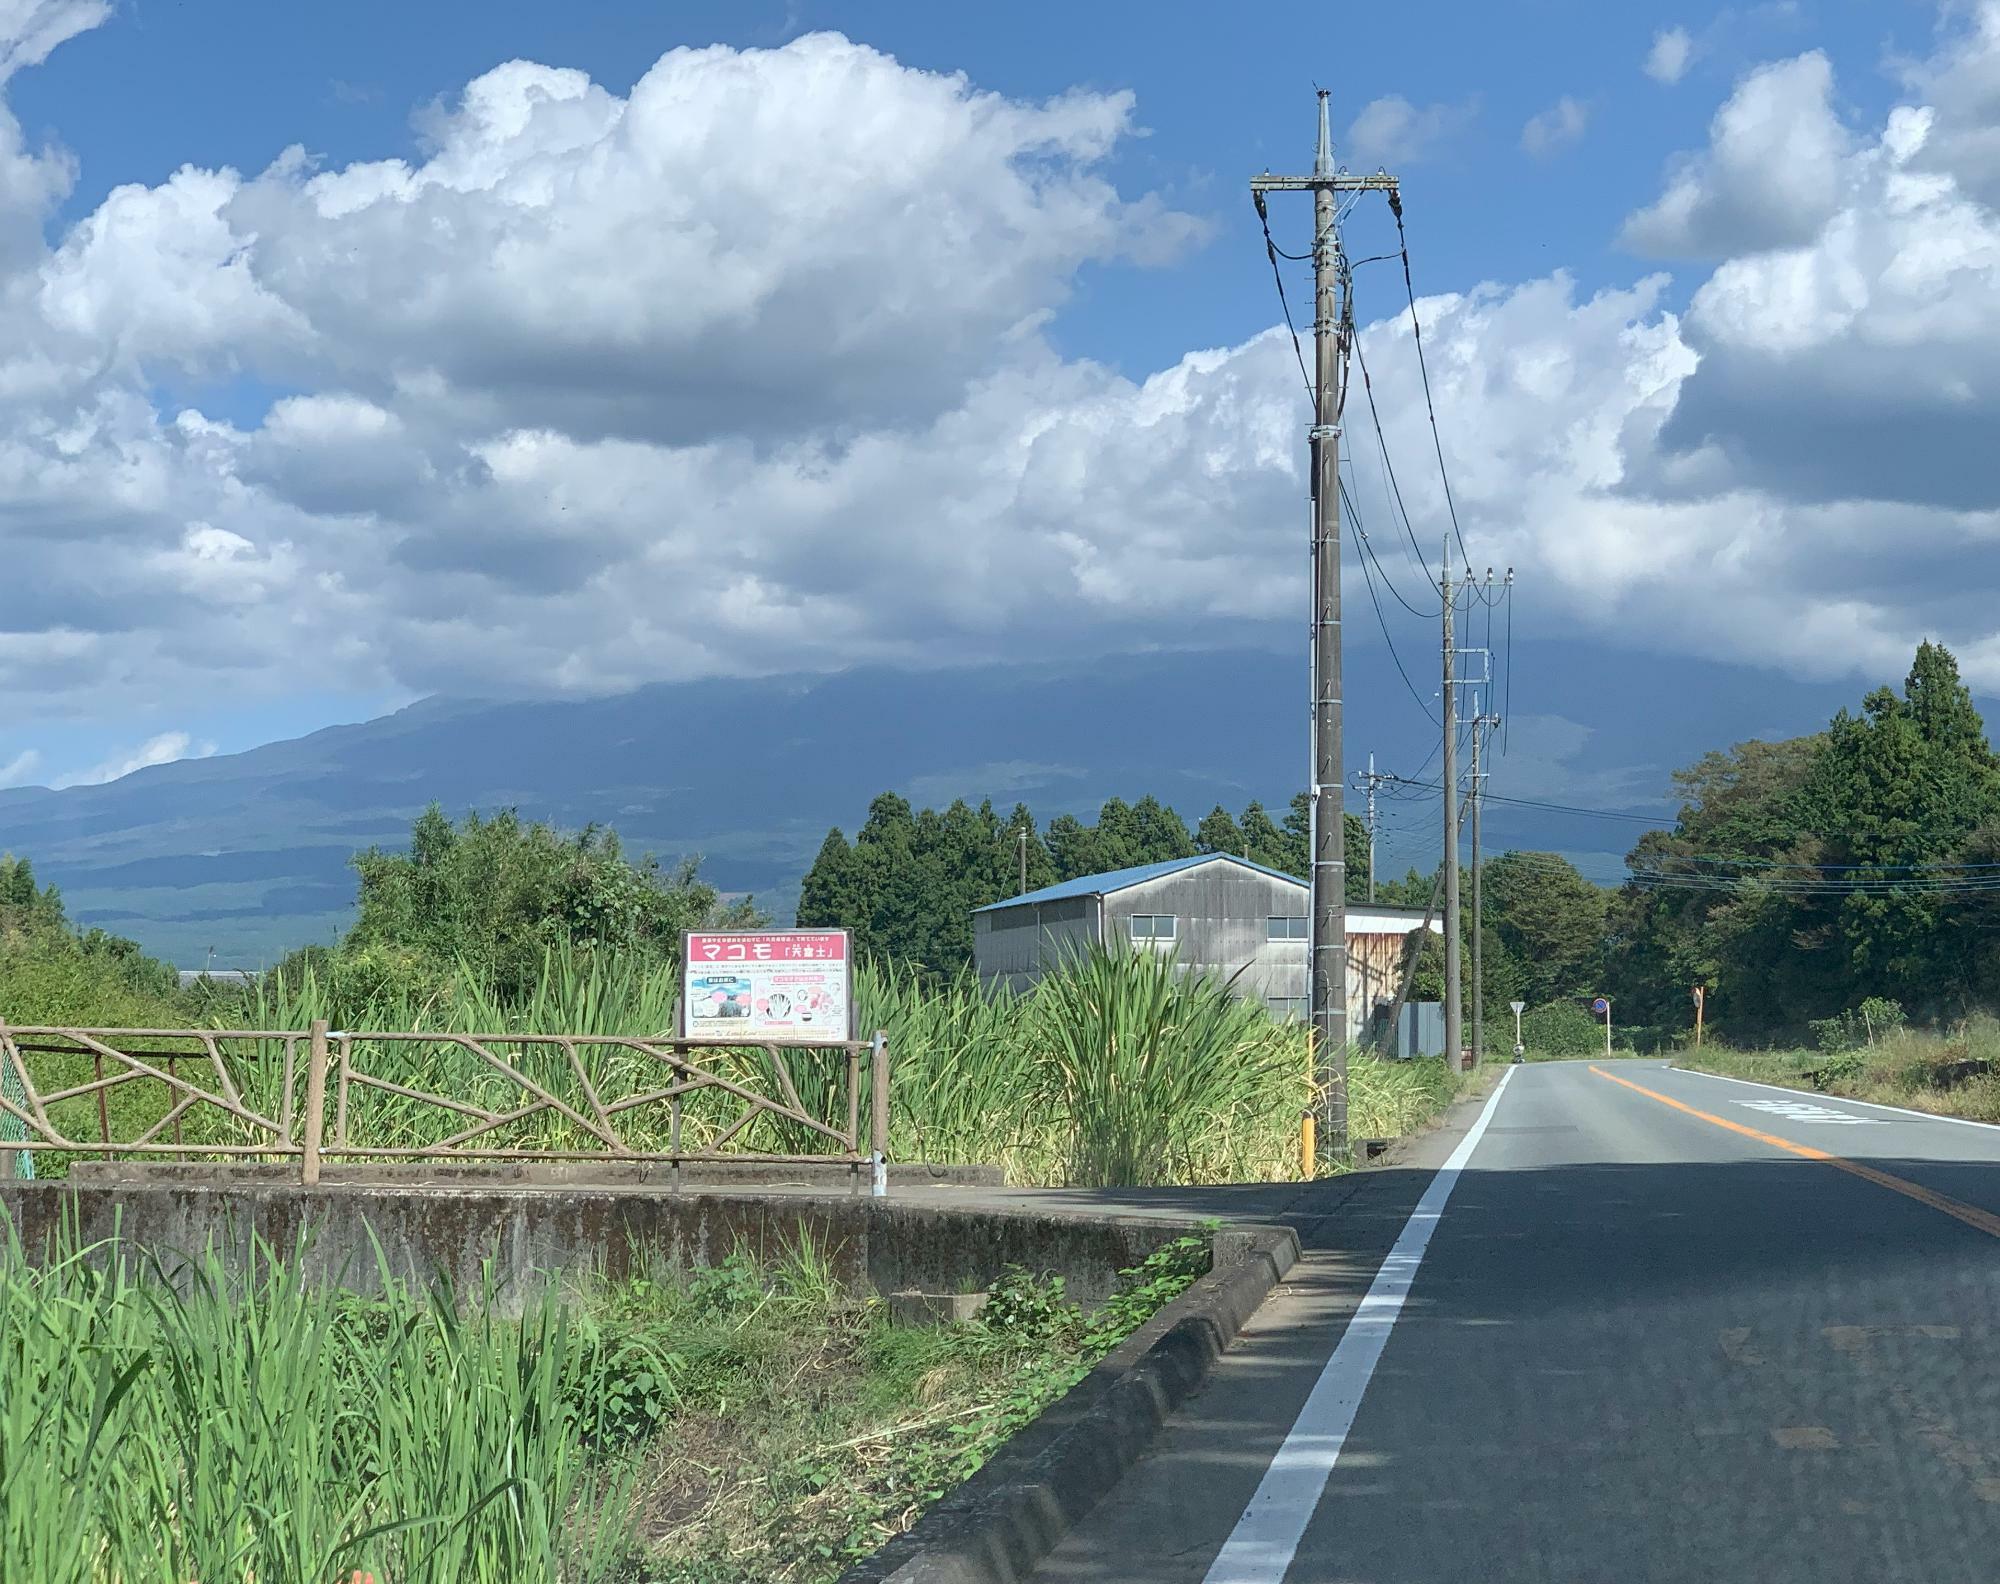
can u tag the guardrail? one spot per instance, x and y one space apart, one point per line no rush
316 1094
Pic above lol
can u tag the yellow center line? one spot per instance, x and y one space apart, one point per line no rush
1985 1221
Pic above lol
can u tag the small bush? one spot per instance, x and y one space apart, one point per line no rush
1562 1028
1875 1020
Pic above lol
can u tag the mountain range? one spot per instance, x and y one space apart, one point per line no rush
235 859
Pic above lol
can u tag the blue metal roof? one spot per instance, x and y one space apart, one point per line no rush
1138 874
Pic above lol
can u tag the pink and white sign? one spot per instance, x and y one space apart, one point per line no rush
757 986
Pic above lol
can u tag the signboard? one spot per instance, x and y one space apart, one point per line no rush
760 987
1600 1006
1517 1007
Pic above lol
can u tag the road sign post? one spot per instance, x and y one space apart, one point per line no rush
1517 1008
1603 1005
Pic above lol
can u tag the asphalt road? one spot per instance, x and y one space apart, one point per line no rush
1644 1339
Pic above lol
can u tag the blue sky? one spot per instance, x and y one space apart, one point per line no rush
232 82
576 398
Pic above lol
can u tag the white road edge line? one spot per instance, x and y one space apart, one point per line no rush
1266 1538
1873 1105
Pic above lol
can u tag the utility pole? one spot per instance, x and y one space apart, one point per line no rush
1371 829
1327 980
1476 797
1452 1025
1021 841
1478 980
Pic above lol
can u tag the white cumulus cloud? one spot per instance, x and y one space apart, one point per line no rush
1667 61
1774 172
19 770
166 748
746 370
1393 131
1555 128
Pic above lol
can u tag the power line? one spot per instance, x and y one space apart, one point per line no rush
1368 578
1534 803
1367 544
1272 249
1423 367
1736 885
1817 868
1382 441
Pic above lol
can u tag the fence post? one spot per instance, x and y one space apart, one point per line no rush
854 1099
878 1129
315 1103
14 1163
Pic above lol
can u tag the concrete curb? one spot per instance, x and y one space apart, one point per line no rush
999 1524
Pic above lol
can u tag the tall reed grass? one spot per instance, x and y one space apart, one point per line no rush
222 1430
1118 1069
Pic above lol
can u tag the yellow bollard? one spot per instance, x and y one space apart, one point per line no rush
1307 1139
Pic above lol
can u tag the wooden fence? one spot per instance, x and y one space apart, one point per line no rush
316 1094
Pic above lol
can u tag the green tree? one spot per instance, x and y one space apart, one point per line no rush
1218 832
1041 863
53 973
1548 922
23 904
1159 834
1073 848
1264 843
1294 850
908 884
495 895
835 888
1764 955
1355 853
1792 886
1905 785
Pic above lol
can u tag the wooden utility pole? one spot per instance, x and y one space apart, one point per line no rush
1327 978
1371 830
1453 1027
1700 1005
1478 980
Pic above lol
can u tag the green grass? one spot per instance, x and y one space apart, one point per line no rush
728 1425
1953 1073
1389 1099
1119 1070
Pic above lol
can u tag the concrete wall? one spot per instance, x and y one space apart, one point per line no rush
528 1238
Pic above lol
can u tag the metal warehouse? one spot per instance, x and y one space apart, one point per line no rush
1215 912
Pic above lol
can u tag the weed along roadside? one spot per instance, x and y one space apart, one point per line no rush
1117 1071
542 1357
755 1420
1954 1072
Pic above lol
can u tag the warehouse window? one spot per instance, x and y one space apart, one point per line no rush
1285 929
1283 1007
1153 926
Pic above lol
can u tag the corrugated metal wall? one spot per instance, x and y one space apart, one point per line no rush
1222 916
1012 946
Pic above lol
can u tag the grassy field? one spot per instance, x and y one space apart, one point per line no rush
734 1425
1118 1071
1953 1073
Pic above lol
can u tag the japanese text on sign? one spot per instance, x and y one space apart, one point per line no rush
759 986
